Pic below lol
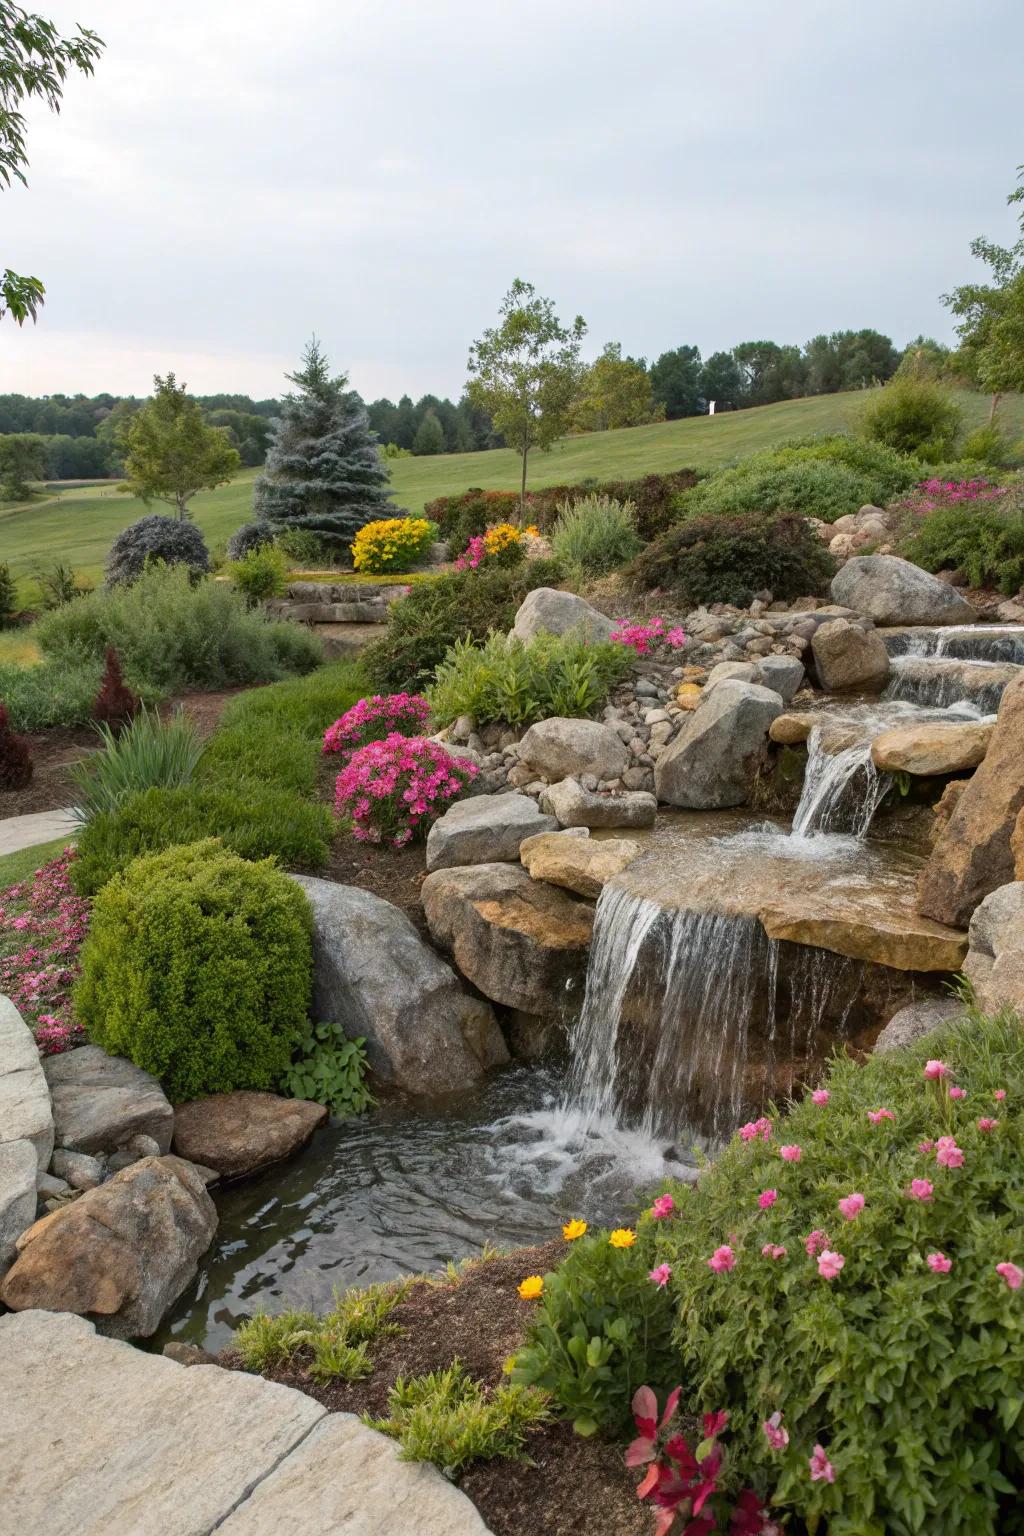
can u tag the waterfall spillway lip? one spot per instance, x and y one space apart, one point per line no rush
965 642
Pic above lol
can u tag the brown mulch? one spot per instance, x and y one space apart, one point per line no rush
575 1486
395 874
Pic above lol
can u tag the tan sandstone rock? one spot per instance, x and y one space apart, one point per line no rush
240 1133
789 730
932 750
580 864
849 658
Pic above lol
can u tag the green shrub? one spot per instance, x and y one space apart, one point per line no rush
259 573
329 1068
450 1418
907 1375
147 752
507 679
172 634
913 414
422 627
820 477
8 596
982 538
595 534
308 550
50 693
198 968
728 559
988 445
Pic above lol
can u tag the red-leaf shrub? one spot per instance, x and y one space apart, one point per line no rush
115 704
15 762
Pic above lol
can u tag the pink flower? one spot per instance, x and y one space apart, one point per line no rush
791 1153
822 1470
755 1128
722 1259
767 1198
947 1153
830 1264
773 1251
676 637
986 1123
851 1206
926 1146
958 1093
876 1116
661 1274
999 1095
815 1241
939 1264
662 1207
934 1069
820 1096
921 1189
774 1433
1013 1276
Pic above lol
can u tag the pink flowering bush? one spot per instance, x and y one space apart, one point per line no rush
871 1315
372 719
646 639
42 926
391 791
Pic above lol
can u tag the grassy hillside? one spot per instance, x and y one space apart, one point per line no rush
77 526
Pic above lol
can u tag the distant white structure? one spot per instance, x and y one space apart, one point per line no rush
711 407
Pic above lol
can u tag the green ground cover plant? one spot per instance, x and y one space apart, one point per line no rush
335 1345
970 526
330 1069
449 1418
49 693
716 558
846 1282
504 678
198 968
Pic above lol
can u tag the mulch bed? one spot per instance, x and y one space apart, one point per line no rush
575 1486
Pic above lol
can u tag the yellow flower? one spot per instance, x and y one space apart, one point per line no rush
531 1287
508 1365
622 1237
573 1229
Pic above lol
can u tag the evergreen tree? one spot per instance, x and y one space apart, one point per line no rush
323 472
429 435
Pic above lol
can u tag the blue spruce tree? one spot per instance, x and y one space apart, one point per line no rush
323 473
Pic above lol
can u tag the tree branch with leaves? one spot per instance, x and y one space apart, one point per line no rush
991 315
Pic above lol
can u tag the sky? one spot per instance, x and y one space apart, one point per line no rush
238 175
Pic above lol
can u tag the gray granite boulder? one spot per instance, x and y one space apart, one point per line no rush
101 1102
848 658
25 1110
784 675
565 748
893 591
375 976
712 763
485 830
546 610
574 806
995 953
19 1171
915 1021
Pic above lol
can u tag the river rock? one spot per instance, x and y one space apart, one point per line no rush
932 750
995 959
79 1169
730 672
546 610
19 1170
101 1102
25 1112
375 976
121 1254
790 730
521 942
574 806
564 748
784 675
915 1021
487 829
848 658
712 762
240 1133
580 864
893 591
972 854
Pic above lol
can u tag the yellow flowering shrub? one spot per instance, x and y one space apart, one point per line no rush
392 544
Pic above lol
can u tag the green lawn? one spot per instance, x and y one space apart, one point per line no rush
15 867
78 526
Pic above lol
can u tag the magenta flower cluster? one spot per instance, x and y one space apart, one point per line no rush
374 718
391 790
42 926
931 495
644 638
474 554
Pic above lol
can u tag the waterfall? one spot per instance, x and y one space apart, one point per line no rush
829 801
691 1019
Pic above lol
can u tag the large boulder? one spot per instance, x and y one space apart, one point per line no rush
712 762
848 658
375 976
25 1111
523 943
580 864
893 591
932 750
784 675
239 1133
574 806
546 610
972 854
486 829
121 1254
995 955
101 1102
18 1170
915 1021
564 748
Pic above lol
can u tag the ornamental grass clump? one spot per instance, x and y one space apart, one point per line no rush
595 534
393 790
404 714
847 1282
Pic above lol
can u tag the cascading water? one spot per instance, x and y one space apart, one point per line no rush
842 790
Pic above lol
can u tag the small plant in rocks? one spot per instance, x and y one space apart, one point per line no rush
42 926
405 714
392 790
329 1068
645 639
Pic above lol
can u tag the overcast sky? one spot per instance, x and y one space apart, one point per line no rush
238 174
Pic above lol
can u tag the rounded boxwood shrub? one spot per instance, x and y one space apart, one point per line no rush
198 967
729 559
249 537
156 538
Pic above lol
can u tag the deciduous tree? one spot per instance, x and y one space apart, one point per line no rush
615 392
169 451
22 459
675 382
991 315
